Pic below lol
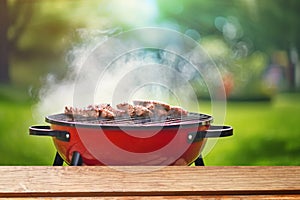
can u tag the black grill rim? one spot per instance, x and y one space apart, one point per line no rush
203 120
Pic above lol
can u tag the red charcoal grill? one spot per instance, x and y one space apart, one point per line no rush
145 141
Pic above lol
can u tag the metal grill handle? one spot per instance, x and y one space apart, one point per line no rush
212 132
47 131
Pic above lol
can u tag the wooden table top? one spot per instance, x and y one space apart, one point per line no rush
138 182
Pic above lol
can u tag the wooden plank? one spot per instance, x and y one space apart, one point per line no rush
88 181
196 197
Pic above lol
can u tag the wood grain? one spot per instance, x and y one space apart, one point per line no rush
190 197
168 182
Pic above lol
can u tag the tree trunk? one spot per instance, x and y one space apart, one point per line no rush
4 49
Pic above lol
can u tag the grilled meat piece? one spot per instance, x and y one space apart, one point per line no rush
142 111
120 113
128 108
140 108
90 112
105 113
160 113
109 111
137 110
158 109
152 104
101 106
101 110
176 111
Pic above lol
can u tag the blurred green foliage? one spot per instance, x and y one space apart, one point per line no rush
240 36
259 23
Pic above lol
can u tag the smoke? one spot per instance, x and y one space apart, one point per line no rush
55 94
115 67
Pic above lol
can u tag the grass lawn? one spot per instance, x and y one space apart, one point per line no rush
265 133
16 146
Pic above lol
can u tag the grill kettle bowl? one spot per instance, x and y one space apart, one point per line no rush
137 144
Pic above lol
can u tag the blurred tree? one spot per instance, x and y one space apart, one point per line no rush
14 18
4 73
277 27
269 24
246 26
35 36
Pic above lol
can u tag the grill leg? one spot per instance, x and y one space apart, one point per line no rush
58 161
199 161
76 159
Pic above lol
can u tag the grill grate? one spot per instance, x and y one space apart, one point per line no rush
191 118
